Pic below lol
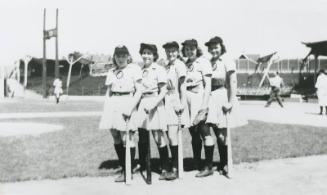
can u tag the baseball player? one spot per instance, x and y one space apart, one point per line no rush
321 86
222 98
276 83
123 95
57 83
198 87
175 101
151 111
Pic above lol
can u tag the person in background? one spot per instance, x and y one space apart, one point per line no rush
276 83
321 86
57 84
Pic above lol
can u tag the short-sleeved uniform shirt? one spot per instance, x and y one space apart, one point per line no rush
220 68
57 83
196 71
123 80
174 73
276 81
152 76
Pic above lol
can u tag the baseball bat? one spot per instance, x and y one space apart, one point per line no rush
229 150
148 160
128 171
180 148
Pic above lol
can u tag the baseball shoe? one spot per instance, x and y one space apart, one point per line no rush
172 175
205 172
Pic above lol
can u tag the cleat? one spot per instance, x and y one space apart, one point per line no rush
163 175
172 175
205 172
120 178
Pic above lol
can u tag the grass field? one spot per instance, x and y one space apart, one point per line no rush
81 148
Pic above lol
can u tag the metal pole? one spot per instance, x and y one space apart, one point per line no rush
44 60
315 68
57 73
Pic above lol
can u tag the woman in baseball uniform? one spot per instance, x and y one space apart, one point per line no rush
321 86
223 97
151 111
198 87
123 95
175 101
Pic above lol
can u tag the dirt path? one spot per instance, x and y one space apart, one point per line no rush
306 175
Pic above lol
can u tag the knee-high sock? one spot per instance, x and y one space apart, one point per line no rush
209 155
133 157
196 146
222 154
174 156
121 154
143 148
163 152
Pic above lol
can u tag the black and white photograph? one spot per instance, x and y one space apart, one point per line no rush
163 97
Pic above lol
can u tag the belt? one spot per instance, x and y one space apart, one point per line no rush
215 87
191 87
149 94
120 93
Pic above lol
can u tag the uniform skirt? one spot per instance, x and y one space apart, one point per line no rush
322 97
57 91
112 117
194 102
156 119
218 98
171 101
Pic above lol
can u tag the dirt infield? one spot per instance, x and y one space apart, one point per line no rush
307 175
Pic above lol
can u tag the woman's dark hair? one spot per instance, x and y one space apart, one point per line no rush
129 60
223 48
216 40
199 52
150 47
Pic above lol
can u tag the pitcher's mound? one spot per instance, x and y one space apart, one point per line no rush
26 128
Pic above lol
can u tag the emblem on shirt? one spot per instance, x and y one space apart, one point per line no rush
119 74
145 73
190 67
214 66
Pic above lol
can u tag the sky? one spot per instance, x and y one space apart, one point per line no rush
97 26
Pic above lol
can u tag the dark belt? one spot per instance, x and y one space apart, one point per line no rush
120 93
215 87
191 87
149 94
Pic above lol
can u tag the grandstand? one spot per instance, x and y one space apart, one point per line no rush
90 79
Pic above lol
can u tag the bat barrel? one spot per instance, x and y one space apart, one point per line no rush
148 161
229 150
128 171
180 149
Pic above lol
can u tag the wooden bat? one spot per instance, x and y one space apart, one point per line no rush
148 161
128 163
229 150
180 148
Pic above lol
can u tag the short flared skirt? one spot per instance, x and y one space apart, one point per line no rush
322 97
112 116
171 101
218 98
194 102
156 119
57 91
